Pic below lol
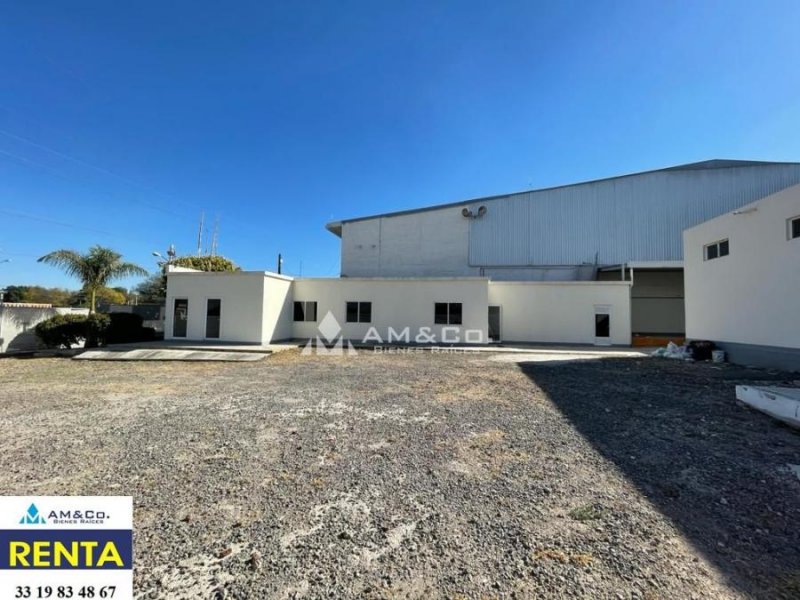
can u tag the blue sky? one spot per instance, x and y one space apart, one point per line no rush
120 122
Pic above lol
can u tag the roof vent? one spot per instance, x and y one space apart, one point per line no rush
467 212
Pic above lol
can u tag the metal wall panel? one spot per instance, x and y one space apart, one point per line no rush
635 218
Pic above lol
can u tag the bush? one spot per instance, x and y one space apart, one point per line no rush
124 328
96 330
65 331
62 331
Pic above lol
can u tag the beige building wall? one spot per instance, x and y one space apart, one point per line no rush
242 296
561 312
396 303
750 299
430 244
258 307
277 308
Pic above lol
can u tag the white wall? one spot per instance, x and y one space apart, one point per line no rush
257 307
277 308
17 325
428 244
752 295
242 295
560 312
395 302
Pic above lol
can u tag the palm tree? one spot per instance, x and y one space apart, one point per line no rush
96 269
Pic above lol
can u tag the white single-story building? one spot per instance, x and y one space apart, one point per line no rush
599 262
742 281
17 322
260 307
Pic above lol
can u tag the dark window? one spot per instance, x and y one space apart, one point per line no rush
717 249
359 312
305 311
180 316
447 313
794 228
352 312
213 314
602 325
365 312
455 313
440 313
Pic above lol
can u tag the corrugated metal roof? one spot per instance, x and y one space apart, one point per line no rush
637 218
336 226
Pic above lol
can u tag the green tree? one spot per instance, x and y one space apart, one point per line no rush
15 293
37 294
104 297
154 288
95 269
206 263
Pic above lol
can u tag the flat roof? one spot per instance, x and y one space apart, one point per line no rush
195 273
335 227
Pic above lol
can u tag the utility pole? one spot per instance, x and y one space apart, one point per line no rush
280 262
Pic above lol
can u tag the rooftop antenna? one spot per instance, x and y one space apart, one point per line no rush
200 234
215 237
280 262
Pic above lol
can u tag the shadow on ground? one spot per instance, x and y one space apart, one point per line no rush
716 469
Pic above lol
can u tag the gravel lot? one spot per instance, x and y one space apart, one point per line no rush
420 475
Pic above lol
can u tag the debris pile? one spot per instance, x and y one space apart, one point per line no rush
672 350
694 350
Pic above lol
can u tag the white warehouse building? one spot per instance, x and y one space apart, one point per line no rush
597 262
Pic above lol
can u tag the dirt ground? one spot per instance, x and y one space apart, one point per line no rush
419 475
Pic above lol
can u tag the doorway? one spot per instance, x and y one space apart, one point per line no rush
180 316
602 325
494 323
213 315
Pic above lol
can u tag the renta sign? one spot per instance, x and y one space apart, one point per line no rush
75 546
84 550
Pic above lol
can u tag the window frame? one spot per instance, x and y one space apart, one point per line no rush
363 311
791 222
304 304
716 248
448 316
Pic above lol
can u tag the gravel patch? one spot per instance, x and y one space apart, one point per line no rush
420 475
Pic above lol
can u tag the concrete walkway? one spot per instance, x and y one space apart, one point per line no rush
203 346
519 352
185 355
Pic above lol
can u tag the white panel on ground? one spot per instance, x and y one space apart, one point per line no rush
778 402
